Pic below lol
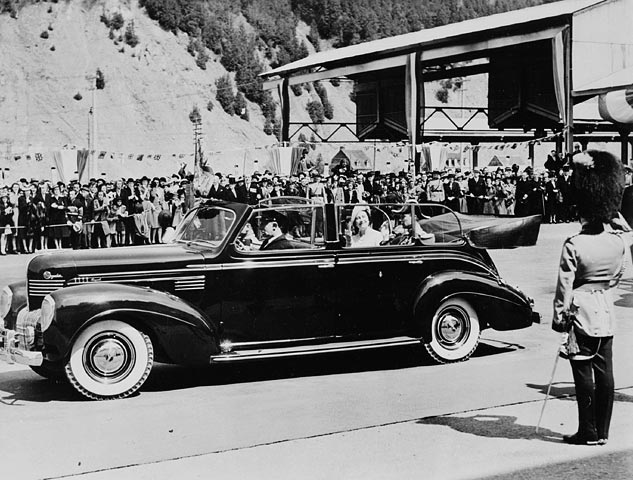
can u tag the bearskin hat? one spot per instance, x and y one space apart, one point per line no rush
598 185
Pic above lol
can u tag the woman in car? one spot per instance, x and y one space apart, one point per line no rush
363 235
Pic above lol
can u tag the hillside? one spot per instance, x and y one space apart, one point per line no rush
149 91
52 50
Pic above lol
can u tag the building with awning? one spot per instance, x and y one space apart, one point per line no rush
542 63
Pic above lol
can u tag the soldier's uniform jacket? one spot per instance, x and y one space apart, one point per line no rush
590 266
435 191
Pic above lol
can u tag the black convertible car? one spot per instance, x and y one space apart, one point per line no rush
240 283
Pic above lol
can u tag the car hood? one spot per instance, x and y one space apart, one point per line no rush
67 264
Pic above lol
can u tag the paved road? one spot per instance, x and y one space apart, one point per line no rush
381 414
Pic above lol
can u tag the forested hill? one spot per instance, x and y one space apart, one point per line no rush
155 60
332 23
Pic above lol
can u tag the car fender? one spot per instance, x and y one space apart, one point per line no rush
180 332
497 304
18 302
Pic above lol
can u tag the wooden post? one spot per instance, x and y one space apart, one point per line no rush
624 146
569 102
420 101
285 111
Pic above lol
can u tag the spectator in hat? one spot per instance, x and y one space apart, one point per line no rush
523 189
229 192
57 216
27 220
435 188
452 192
6 220
476 192
74 215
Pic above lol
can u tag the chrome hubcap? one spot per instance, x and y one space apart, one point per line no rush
453 327
109 357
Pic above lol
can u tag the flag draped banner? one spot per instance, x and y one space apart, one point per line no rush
82 162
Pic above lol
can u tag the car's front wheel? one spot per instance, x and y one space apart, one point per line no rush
454 332
109 360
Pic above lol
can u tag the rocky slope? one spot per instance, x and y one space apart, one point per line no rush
149 92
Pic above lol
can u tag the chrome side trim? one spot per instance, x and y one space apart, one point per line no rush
313 349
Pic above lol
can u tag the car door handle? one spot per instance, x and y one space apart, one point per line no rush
416 262
326 265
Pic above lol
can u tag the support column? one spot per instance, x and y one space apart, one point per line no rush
475 154
413 75
569 102
285 110
624 146
531 153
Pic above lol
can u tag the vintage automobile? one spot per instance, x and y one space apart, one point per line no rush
241 283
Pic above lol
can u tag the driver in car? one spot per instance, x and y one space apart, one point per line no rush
274 237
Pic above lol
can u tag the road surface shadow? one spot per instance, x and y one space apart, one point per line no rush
568 392
494 426
170 377
612 465
24 385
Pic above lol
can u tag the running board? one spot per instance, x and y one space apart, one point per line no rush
313 349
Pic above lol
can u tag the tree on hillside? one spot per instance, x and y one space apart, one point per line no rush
224 93
202 59
99 80
315 110
194 115
130 36
240 106
116 22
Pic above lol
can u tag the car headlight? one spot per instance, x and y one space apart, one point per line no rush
47 313
6 297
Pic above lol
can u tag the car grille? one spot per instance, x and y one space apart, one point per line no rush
41 288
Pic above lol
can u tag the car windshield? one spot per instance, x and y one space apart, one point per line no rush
207 225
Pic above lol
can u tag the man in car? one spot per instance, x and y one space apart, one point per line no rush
275 239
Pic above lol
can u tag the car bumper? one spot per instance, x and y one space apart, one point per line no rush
11 353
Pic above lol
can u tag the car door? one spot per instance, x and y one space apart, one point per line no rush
378 284
275 297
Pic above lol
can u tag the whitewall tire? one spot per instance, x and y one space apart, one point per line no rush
454 331
109 360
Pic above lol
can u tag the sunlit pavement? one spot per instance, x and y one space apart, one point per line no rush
375 415
491 443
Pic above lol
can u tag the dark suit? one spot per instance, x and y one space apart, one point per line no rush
452 193
476 189
229 194
278 243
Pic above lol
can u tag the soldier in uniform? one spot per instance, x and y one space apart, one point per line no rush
435 188
590 266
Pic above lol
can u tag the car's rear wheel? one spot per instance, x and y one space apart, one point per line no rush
109 360
454 332
52 371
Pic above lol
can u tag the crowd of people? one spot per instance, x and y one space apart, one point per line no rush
38 215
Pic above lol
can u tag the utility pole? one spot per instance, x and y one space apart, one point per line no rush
92 128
